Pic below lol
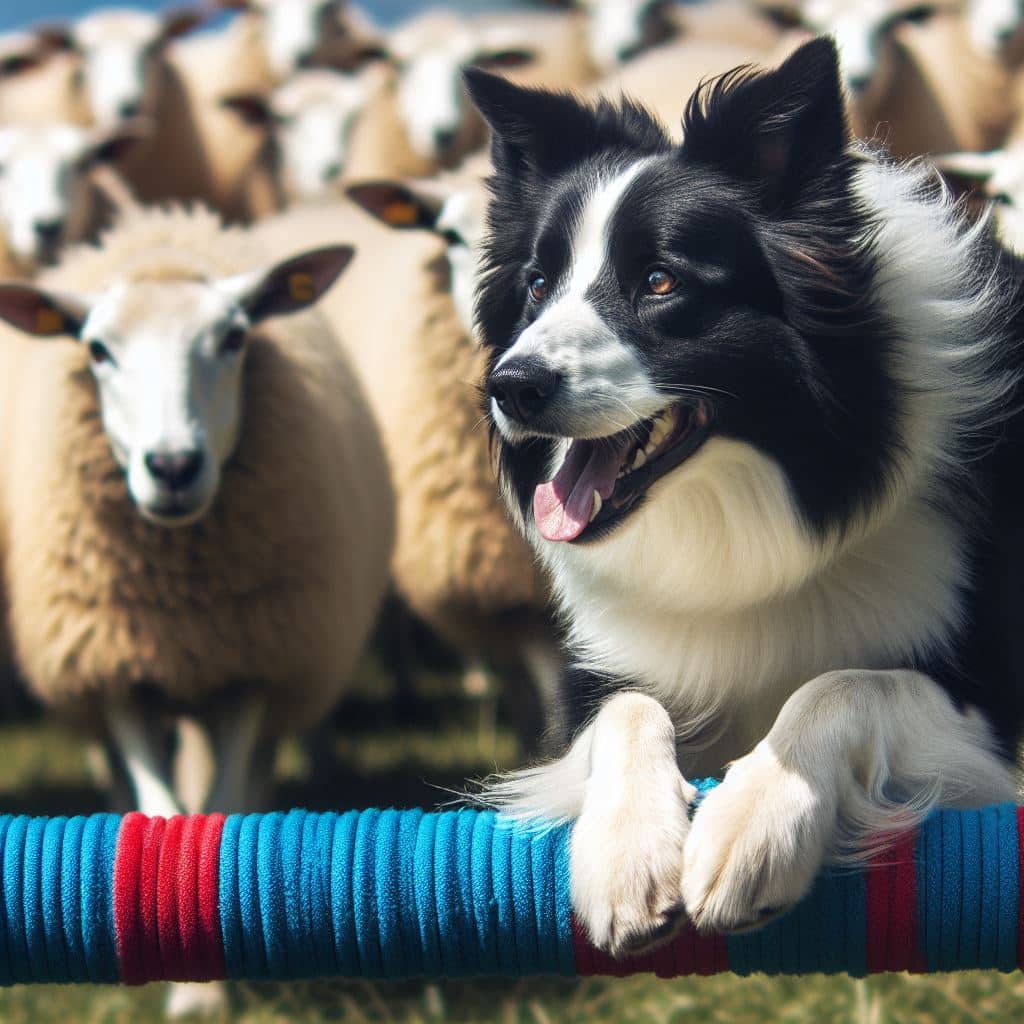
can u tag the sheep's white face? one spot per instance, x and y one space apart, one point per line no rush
863 31
167 355
45 196
432 101
620 29
167 358
994 22
294 30
117 49
999 176
314 116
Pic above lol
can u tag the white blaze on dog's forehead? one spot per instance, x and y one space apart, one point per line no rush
605 383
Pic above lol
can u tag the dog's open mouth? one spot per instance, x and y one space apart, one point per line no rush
600 481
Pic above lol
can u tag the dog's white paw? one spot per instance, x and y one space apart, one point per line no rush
627 862
207 1000
756 844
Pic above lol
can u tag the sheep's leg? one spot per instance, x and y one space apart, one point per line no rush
139 746
236 729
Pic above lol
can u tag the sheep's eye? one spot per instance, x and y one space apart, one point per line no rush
99 353
661 282
1002 199
919 15
234 340
539 287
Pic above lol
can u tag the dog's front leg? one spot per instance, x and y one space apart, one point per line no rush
627 843
852 754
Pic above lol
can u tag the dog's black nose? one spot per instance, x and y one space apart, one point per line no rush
444 139
522 388
175 469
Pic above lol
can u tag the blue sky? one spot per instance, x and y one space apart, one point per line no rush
17 13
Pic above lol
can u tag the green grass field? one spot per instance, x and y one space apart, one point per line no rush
44 770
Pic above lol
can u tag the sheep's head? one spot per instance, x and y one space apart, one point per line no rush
167 356
998 177
119 49
996 25
430 54
866 34
310 120
619 30
455 213
46 198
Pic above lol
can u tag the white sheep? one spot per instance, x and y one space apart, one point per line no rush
38 81
308 124
915 79
997 28
49 193
458 562
163 554
620 30
421 120
290 35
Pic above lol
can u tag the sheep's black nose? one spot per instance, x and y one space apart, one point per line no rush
522 388
332 171
175 469
444 139
858 83
129 109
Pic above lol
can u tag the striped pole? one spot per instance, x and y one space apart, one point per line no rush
393 894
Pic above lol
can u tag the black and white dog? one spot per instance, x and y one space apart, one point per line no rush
755 400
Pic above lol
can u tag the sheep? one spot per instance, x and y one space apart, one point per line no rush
49 189
458 563
999 177
915 79
290 35
308 123
160 555
620 30
997 28
421 120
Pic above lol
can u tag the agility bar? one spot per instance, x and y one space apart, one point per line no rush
395 894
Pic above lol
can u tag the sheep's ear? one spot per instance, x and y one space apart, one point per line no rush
180 21
108 145
289 286
56 36
778 129
42 313
397 204
969 166
252 108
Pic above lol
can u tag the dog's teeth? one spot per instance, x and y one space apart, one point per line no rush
596 507
639 459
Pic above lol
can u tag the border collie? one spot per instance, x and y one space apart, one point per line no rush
755 408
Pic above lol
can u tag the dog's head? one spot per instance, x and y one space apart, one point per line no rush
690 373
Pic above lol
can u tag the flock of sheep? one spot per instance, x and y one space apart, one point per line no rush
142 160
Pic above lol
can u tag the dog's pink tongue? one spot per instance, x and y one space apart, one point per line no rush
562 506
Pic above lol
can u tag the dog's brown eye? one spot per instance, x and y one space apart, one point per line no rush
539 287
660 282
234 340
99 353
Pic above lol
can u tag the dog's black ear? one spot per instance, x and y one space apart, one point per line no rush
539 132
777 128
530 127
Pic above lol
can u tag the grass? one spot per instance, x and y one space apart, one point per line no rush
44 770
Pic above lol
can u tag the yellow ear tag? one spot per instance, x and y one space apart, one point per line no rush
402 213
301 287
49 321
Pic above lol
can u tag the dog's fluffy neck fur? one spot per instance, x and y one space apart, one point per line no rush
695 623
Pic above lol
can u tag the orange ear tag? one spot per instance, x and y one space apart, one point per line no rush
402 213
49 321
301 287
